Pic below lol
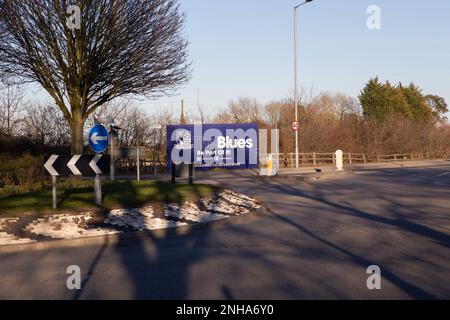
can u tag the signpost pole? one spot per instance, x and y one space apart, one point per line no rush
154 152
138 165
98 190
191 173
172 173
77 165
111 166
54 192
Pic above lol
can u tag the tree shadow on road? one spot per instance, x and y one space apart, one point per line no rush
149 259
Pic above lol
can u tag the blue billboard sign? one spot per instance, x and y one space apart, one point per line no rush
233 146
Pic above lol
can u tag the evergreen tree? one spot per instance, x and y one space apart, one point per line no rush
418 108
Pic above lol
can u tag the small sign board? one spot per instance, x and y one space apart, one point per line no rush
296 125
127 152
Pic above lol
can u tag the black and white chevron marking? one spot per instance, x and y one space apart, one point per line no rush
78 165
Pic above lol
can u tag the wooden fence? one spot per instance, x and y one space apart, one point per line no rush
318 158
287 160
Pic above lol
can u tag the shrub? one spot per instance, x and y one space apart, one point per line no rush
23 170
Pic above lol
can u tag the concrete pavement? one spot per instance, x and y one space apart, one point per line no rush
315 240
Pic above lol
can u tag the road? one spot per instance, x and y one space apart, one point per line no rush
314 240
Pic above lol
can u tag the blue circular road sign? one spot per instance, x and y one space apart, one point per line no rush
98 138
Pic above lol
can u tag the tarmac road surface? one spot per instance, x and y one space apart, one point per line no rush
314 240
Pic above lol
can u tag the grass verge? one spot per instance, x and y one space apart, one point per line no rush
117 194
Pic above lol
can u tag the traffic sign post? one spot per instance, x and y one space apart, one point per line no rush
154 129
79 165
138 165
54 196
98 190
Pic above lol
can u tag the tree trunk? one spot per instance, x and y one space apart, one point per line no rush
76 127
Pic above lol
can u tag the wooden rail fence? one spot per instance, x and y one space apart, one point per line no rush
318 158
286 160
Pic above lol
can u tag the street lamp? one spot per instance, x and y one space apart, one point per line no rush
295 77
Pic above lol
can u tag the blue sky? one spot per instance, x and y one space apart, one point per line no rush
244 48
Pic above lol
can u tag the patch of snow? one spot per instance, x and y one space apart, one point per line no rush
6 238
4 222
223 207
67 226
139 219
239 199
190 211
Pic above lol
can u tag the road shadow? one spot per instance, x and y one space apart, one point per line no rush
147 257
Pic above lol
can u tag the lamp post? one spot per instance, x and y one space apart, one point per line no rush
295 77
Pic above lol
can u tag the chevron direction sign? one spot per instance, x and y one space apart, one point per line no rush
79 165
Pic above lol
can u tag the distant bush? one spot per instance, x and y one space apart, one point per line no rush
23 170
45 184
18 189
74 183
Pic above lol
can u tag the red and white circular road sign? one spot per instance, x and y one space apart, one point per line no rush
296 125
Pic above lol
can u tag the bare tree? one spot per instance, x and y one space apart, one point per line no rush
273 112
11 106
37 126
122 47
244 110
344 105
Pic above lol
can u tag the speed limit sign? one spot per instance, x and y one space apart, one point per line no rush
296 125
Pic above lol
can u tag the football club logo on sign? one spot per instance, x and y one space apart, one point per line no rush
183 139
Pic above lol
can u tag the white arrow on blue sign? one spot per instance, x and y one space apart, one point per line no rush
98 138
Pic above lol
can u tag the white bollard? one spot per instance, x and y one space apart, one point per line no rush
339 160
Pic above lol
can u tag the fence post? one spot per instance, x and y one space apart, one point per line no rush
314 158
364 158
334 158
350 157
